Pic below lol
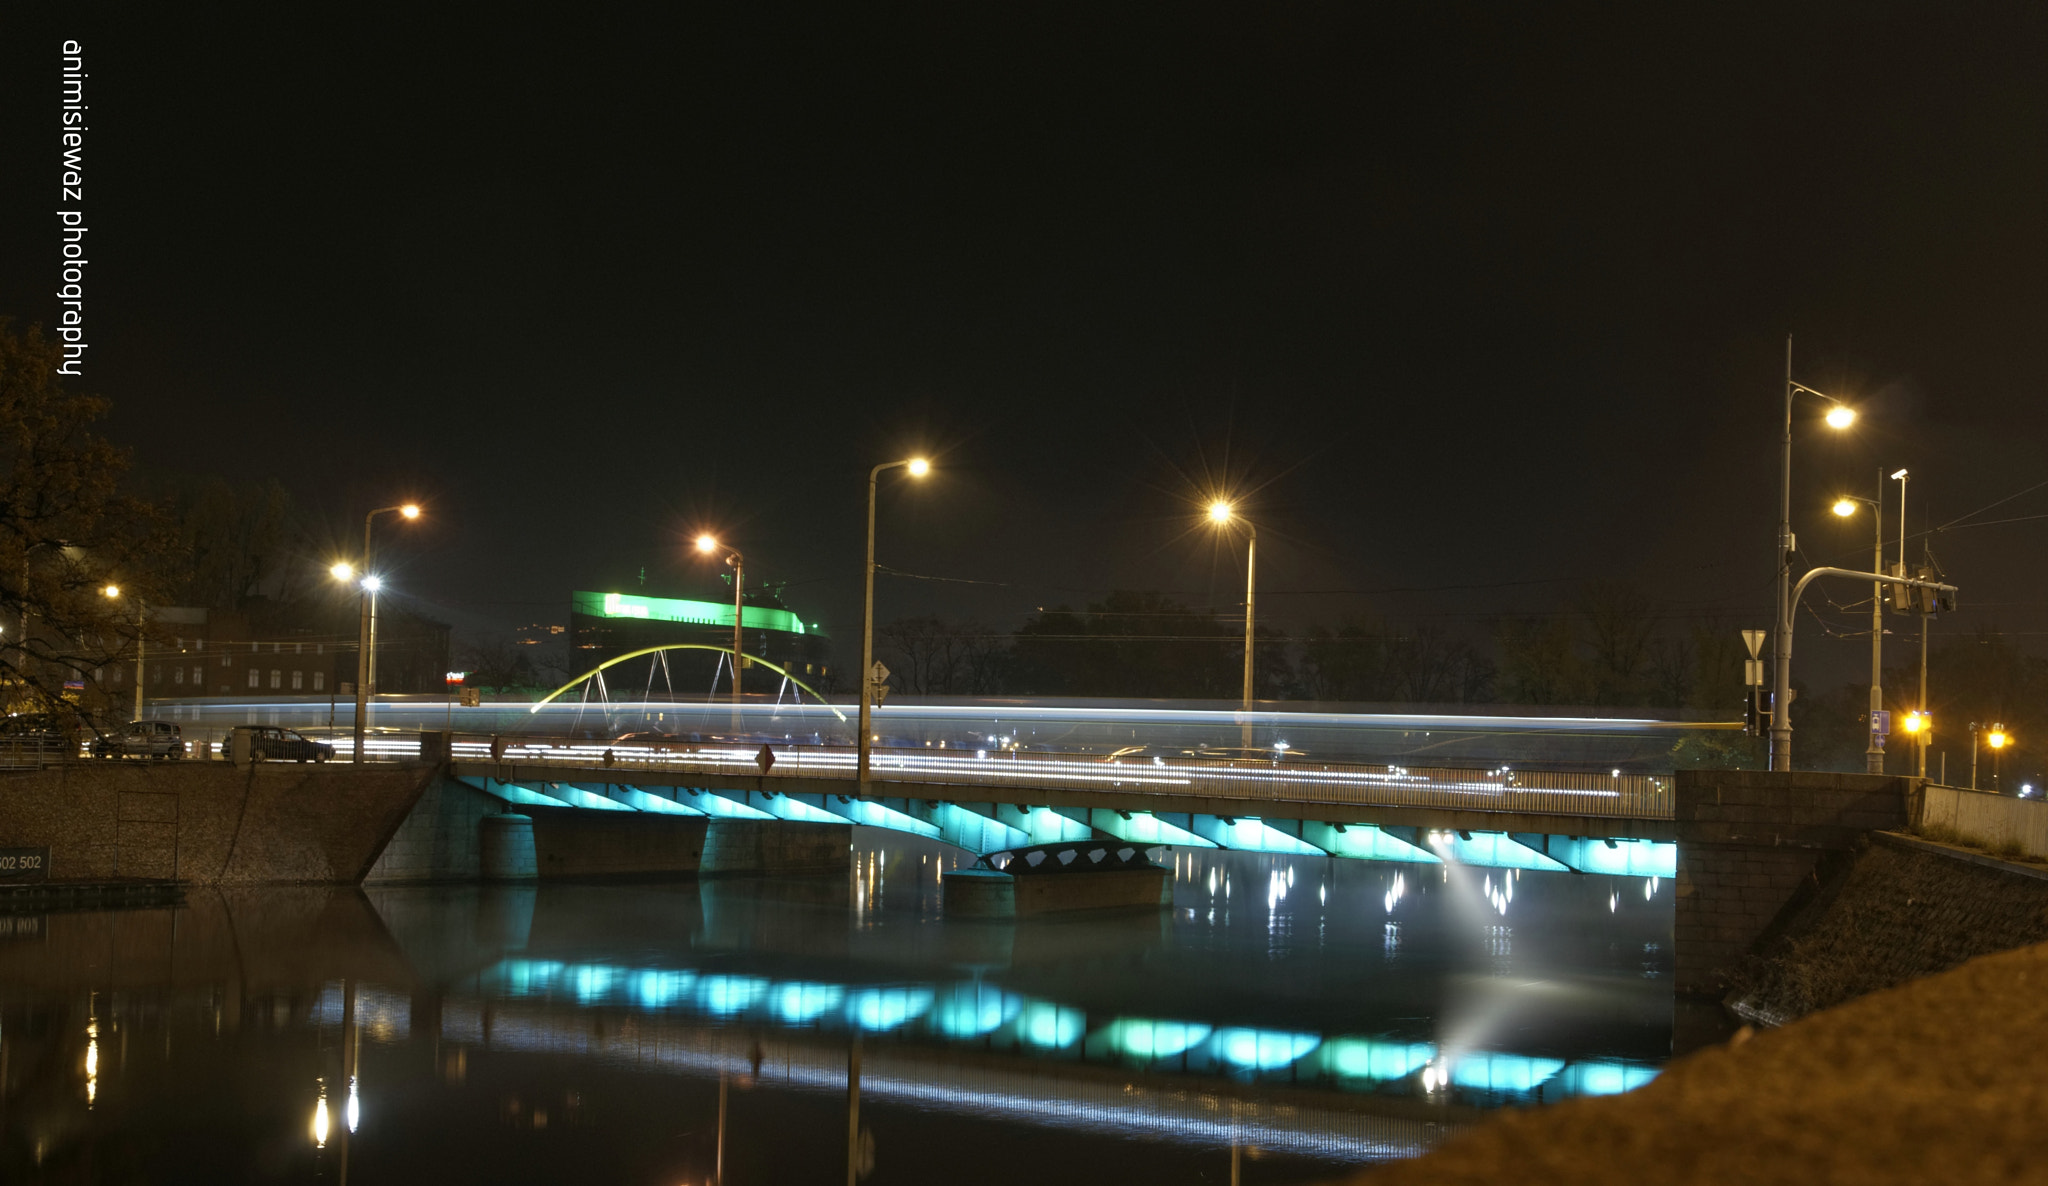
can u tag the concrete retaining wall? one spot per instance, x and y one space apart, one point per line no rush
438 841
580 842
1755 845
1904 908
1984 819
208 823
736 846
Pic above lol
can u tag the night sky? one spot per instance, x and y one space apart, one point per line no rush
1451 295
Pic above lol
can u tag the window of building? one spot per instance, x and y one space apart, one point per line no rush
177 677
158 677
298 648
319 681
298 680
318 648
226 661
276 678
198 676
254 647
254 677
277 648
178 644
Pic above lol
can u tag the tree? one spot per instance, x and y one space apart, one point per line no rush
235 542
1139 644
66 532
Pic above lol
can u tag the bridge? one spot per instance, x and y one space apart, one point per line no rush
987 801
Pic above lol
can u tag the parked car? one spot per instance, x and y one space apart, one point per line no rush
37 738
268 743
141 739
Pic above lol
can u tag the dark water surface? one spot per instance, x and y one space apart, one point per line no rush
1303 1015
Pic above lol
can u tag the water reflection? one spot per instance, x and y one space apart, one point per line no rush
318 1034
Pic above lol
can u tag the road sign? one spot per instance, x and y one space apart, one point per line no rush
879 673
1753 672
1754 640
1881 722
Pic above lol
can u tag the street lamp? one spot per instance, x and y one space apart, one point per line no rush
1839 416
141 621
366 626
918 467
1997 739
1845 506
708 544
1222 514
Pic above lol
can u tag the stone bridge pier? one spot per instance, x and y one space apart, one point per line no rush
1755 847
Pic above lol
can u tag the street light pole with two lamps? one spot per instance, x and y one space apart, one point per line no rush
1839 416
918 467
366 627
1845 506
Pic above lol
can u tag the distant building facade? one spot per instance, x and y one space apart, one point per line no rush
270 650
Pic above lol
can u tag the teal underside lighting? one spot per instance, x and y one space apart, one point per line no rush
1635 858
1364 842
1142 827
718 806
1248 835
983 828
641 800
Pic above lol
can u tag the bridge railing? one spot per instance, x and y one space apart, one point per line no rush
1609 794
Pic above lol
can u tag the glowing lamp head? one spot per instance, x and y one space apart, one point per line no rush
410 510
1220 511
1998 738
919 467
342 570
1845 507
372 583
707 544
1841 416
1918 722
112 591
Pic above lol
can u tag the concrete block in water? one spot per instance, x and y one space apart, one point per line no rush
978 893
986 893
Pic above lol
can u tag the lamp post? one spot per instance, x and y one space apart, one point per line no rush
1997 739
708 544
366 628
141 622
864 744
1222 513
1839 416
1920 763
1845 506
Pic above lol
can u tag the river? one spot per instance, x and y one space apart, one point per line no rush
1295 1015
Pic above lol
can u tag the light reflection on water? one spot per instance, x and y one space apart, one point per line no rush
1383 1002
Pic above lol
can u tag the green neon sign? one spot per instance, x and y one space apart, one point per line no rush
671 609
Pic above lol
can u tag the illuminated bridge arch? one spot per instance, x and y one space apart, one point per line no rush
681 646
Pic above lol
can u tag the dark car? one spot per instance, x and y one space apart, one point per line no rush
268 743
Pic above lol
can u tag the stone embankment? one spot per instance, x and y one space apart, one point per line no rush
209 823
1905 908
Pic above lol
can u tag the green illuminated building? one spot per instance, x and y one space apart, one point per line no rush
605 625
